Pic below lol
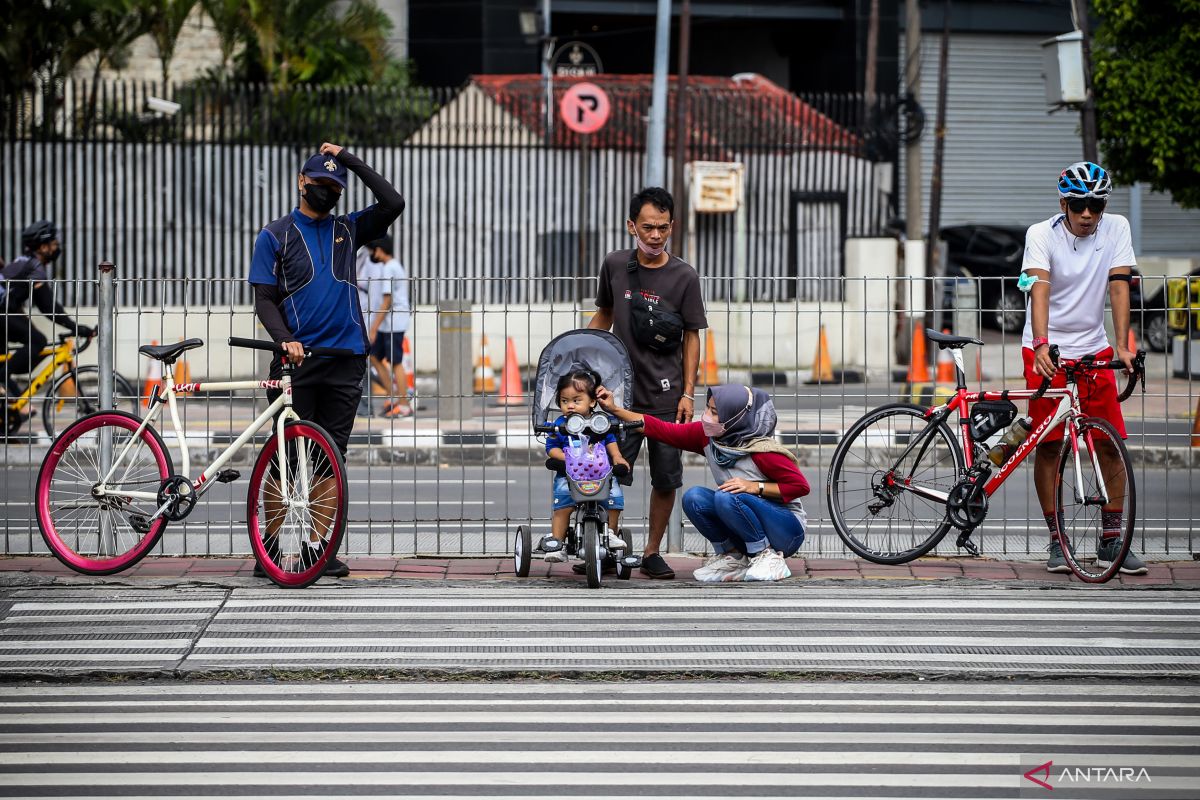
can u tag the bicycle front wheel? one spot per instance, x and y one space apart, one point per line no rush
101 532
76 394
1095 496
884 480
296 516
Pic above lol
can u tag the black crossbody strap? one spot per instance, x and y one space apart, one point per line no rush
635 282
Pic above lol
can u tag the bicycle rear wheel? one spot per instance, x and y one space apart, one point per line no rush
76 394
106 534
871 480
1102 482
296 524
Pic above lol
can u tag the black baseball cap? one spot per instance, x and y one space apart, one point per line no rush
320 166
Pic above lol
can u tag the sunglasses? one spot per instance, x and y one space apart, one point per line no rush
1093 204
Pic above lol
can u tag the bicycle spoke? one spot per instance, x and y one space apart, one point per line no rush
871 497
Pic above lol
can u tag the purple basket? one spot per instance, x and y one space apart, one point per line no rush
581 467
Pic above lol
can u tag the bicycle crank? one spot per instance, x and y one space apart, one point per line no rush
177 494
966 505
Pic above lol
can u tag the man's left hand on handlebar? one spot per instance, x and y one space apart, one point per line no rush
1126 357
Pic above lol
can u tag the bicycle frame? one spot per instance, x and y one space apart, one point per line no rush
1067 412
168 399
63 353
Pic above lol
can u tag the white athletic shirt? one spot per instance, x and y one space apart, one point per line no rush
1078 279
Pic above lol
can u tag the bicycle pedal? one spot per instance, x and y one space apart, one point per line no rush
228 476
139 522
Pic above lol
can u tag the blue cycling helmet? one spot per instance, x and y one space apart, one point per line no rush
1084 179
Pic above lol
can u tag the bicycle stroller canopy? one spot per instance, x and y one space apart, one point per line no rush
585 348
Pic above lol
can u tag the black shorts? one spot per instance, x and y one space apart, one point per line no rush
326 391
666 462
389 346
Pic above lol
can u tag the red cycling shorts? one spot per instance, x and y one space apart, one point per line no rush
1097 395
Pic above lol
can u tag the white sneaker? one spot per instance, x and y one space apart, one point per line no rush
556 556
722 567
614 542
768 566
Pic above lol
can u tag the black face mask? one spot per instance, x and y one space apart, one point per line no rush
50 259
320 199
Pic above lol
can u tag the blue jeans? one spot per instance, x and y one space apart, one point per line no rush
742 522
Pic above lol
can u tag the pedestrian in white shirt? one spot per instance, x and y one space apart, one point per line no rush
390 318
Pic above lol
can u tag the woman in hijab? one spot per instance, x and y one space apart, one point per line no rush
754 517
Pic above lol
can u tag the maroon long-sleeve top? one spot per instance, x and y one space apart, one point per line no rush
777 467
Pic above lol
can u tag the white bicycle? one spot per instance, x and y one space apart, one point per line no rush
107 488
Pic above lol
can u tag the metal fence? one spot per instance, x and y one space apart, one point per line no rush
433 485
495 204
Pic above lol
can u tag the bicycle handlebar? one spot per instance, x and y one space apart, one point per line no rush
625 426
272 347
1090 363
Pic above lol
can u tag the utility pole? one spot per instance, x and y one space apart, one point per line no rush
1087 114
932 267
914 227
872 54
547 78
679 187
656 135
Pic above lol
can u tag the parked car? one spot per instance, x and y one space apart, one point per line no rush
993 254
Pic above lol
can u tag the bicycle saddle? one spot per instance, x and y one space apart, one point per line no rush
949 341
167 353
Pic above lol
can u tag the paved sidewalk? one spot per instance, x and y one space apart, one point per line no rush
1184 574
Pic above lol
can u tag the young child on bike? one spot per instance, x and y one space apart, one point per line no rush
576 395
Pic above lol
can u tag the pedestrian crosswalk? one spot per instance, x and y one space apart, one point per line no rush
931 631
560 738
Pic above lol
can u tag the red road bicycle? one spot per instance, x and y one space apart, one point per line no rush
900 479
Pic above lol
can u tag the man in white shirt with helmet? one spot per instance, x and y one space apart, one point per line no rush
1079 257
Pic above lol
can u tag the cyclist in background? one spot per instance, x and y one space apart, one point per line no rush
1079 257
27 278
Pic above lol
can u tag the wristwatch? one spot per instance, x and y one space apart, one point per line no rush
762 487
1038 341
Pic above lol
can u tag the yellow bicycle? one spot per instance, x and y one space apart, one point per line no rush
74 391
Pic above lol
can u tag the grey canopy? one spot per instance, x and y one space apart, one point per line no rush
592 349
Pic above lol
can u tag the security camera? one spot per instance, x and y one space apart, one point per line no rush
164 107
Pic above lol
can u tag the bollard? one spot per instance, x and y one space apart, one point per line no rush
454 360
104 332
104 341
675 525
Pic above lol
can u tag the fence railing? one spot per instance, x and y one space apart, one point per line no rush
438 484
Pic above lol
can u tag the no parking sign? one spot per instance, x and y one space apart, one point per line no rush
584 108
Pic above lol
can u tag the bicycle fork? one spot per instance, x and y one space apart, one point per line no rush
1081 496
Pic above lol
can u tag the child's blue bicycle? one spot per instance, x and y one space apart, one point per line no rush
587 467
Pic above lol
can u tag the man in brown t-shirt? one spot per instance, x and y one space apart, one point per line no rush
663 383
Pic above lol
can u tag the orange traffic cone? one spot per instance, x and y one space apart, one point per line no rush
183 371
485 376
1196 426
153 376
709 376
822 368
945 365
511 393
918 366
409 377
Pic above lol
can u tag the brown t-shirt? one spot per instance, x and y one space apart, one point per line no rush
657 377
